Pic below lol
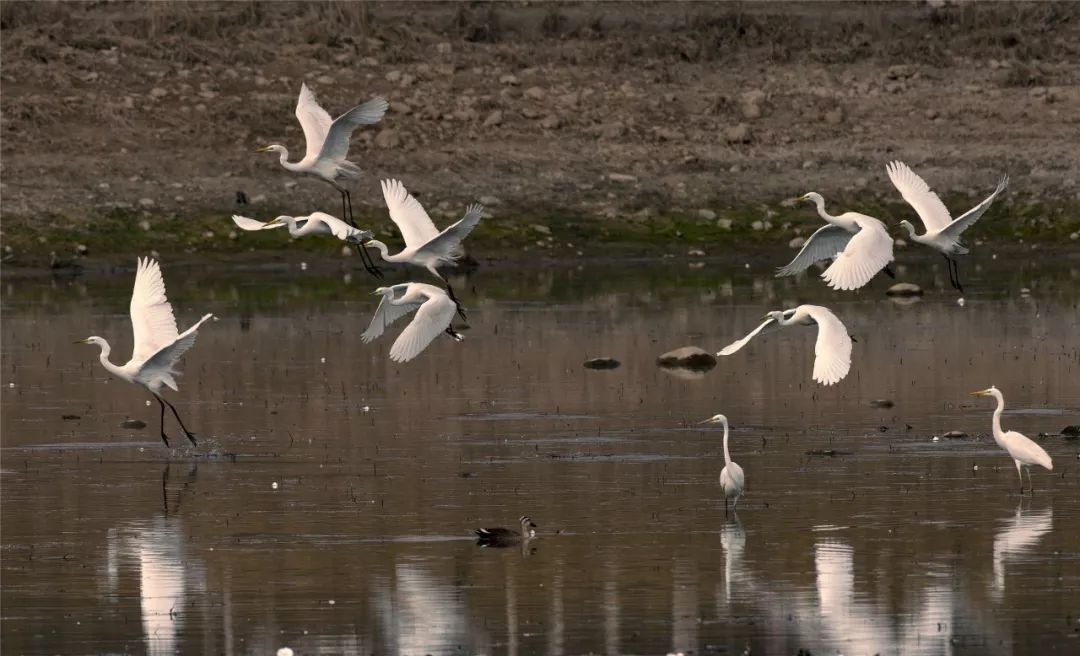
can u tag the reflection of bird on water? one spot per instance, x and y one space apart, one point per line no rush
1017 536
506 537
1023 451
731 476
733 540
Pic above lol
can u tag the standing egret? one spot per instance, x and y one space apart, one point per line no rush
506 537
1023 451
732 478
158 345
860 243
328 142
942 232
316 223
434 312
425 246
832 352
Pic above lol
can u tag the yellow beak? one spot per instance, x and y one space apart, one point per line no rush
264 149
82 341
979 393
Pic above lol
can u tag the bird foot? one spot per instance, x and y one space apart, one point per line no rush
191 438
165 439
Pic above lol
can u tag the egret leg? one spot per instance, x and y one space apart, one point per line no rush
725 506
956 275
365 258
1031 486
189 434
450 292
889 272
164 437
454 334
735 506
1020 473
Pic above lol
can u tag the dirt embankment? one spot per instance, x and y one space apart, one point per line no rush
133 126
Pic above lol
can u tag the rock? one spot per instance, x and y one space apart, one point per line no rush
550 122
490 201
393 76
904 289
388 138
324 79
82 249
535 93
493 119
750 104
881 403
133 424
70 417
757 226
696 252
542 229
400 107
688 357
797 242
738 134
158 92
955 435
835 117
899 72
706 214
1072 432
724 224
612 130
601 363
509 79
146 203
621 177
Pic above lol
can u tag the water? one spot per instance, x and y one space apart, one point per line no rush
329 505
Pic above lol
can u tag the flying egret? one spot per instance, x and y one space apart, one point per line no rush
732 478
316 223
157 344
506 537
425 246
1023 451
832 352
942 232
328 142
434 312
860 243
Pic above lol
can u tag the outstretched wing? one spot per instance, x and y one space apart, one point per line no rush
336 226
152 323
433 317
736 345
832 352
447 246
868 252
408 215
336 146
957 227
387 313
826 242
918 194
245 223
313 119
160 364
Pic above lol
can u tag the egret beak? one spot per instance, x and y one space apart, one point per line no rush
980 393
710 420
767 316
82 341
264 149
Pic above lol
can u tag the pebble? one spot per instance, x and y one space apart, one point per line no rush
535 93
904 289
550 122
738 134
493 119
133 424
621 177
146 202
797 242
724 224
706 214
881 403
601 363
284 651
274 485
489 201
955 435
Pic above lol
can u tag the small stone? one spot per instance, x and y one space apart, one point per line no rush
324 79
550 122
82 249
490 201
70 417
757 226
612 130
724 224
835 117
881 403
509 79
493 119
738 134
955 435
388 138
931 114
796 242
133 424
401 107
535 93
542 229
393 76
688 357
444 48
696 252
145 225
601 363
904 289
706 214
1071 431
146 203
621 177
158 92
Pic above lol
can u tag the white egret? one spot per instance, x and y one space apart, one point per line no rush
328 142
506 537
157 344
1021 449
732 478
434 312
316 223
425 246
860 243
942 232
832 352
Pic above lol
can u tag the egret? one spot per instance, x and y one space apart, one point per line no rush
942 231
157 344
732 478
328 142
506 537
1021 449
832 352
434 312
860 243
316 223
425 246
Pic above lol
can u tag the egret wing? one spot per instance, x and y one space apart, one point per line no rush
965 221
832 352
160 364
408 215
244 223
152 323
918 194
447 245
868 252
387 313
736 345
827 241
433 317
336 146
313 119
335 226
1023 448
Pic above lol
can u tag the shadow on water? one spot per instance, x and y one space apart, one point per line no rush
330 503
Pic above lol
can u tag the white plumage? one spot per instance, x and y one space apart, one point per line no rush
434 312
1021 448
158 345
316 223
732 478
832 351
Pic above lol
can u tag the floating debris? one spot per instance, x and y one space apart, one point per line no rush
881 403
133 424
602 363
955 435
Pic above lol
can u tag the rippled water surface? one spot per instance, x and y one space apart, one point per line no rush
329 504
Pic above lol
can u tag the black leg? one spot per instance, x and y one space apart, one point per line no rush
344 214
190 435
348 197
164 437
956 275
889 272
450 292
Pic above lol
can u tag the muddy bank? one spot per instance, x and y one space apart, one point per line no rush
132 127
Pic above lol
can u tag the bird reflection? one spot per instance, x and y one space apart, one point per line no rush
733 540
1016 536
420 614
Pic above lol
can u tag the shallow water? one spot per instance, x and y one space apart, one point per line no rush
328 506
